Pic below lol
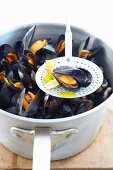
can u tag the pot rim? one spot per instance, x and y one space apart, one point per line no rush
58 119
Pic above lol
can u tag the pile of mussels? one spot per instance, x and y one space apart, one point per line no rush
19 93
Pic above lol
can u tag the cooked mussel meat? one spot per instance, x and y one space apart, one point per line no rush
39 44
2 75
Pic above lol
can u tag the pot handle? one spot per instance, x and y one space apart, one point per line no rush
42 149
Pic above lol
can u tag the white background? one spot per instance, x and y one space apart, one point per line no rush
95 16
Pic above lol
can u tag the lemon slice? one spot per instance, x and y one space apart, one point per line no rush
49 65
48 77
51 84
67 94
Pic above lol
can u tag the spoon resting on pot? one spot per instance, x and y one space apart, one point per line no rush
77 77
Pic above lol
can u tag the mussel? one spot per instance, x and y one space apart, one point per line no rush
37 45
86 51
60 45
28 98
7 54
72 78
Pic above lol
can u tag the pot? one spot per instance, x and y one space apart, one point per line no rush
65 137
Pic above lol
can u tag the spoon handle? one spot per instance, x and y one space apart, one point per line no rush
68 33
42 149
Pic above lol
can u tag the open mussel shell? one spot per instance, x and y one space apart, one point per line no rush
30 60
14 84
66 81
72 78
5 49
35 108
20 72
28 104
19 104
87 51
26 42
7 54
10 57
50 49
24 75
46 53
60 46
42 49
18 50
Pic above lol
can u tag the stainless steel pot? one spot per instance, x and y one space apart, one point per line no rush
65 136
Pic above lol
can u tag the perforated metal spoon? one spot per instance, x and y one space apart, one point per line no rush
74 62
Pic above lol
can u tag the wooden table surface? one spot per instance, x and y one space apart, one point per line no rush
99 155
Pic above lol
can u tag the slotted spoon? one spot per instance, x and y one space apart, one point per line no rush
74 62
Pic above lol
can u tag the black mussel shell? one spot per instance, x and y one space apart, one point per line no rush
52 104
45 54
30 61
67 111
34 109
7 54
2 67
14 85
85 106
19 105
84 45
12 110
82 76
74 103
105 84
87 78
5 97
60 46
5 49
18 50
26 42
50 49
24 75
14 68
95 52
14 99
41 56
86 51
